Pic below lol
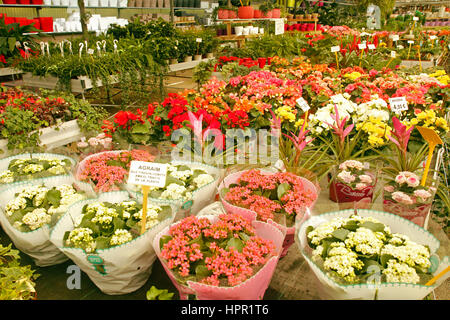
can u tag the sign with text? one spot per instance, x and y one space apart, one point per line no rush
371 46
416 18
398 104
393 54
303 104
279 26
335 49
199 39
395 37
361 46
148 174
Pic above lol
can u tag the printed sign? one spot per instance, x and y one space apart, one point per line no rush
361 46
335 49
279 26
416 18
148 173
395 37
393 54
199 39
398 104
303 104
371 46
411 41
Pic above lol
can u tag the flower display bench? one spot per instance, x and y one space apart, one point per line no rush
54 136
78 85
9 72
413 63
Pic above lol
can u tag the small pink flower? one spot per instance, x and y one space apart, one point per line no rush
422 194
101 136
360 186
402 197
346 176
412 182
93 142
82 144
364 178
400 179
389 189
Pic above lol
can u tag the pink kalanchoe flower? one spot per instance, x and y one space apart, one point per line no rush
401 134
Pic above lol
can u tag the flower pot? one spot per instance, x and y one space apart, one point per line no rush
9 1
173 61
166 3
160 3
138 3
245 32
153 3
122 3
188 59
276 13
245 12
222 14
113 3
262 62
239 30
46 24
232 14
24 1
131 3
257 14
37 1
209 55
266 15
197 57
101 3
146 3
93 3
315 16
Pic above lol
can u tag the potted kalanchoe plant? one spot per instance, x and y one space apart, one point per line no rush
106 238
30 210
265 196
229 257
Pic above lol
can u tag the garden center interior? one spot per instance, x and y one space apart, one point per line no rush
224 150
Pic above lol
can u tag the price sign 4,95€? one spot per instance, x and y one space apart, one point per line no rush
398 104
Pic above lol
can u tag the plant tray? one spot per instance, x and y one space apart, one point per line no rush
9 71
54 136
413 63
79 85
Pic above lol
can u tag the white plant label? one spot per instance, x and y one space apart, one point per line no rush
411 41
362 46
279 26
148 173
416 18
432 37
335 49
199 39
303 104
398 104
371 46
395 37
90 51
393 54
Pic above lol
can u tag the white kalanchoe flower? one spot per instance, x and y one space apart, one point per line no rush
6 177
203 179
36 218
411 253
120 236
343 261
400 272
59 169
181 175
82 238
173 192
364 241
325 230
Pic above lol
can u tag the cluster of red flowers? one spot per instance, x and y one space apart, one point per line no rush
198 241
254 191
247 62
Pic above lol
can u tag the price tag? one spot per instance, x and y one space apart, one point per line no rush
393 54
148 173
411 41
371 46
362 46
416 18
432 37
90 51
395 37
335 49
279 26
303 104
398 104
199 39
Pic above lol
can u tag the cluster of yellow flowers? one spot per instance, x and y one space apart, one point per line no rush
286 113
352 76
441 75
377 131
429 119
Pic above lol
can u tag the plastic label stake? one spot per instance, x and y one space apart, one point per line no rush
433 139
147 174
335 49
410 42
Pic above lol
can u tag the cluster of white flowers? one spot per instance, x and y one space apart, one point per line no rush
32 168
318 121
374 109
178 174
82 238
6 176
175 191
342 256
120 236
103 214
203 179
129 207
35 196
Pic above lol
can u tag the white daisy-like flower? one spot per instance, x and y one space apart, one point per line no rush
82 238
173 192
203 179
6 176
400 272
364 241
36 218
120 236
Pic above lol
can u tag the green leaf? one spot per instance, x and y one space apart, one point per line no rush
202 271
162 294
102 242
53 196
163 240
235 243
385 258
282 189
141 128
375 227
340 234
118 223
351 225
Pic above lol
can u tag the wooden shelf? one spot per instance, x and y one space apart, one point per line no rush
31 6
302 20
246 20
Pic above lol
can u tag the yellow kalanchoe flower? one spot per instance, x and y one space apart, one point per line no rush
377 131
352 76
286 113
